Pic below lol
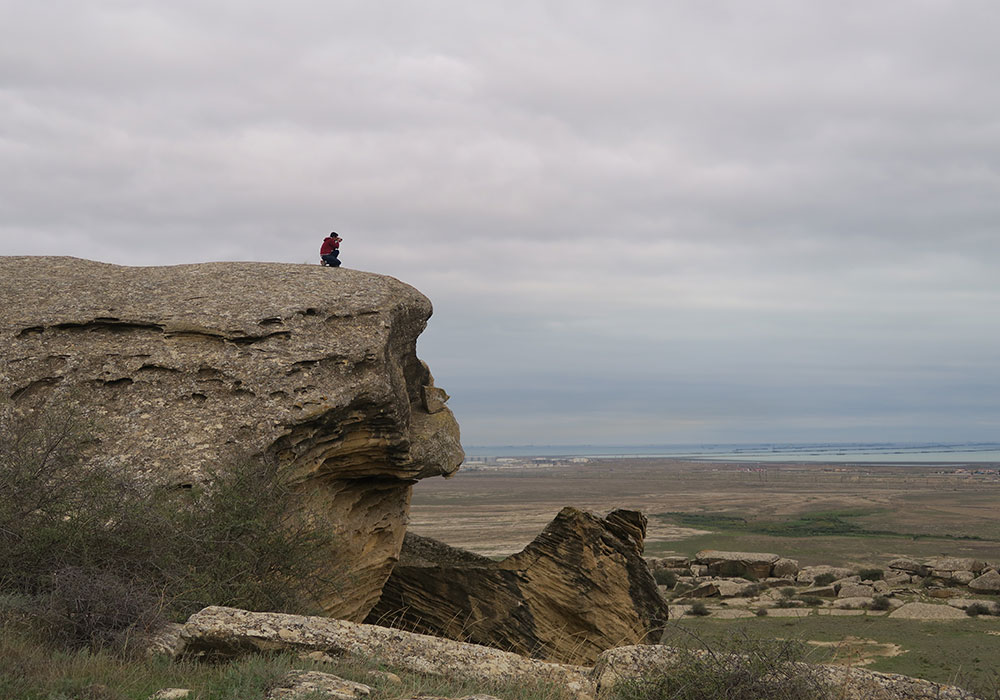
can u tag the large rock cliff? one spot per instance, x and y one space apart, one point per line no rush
579 588
186 367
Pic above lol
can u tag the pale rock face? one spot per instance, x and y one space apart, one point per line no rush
785 568
231 632
956 564
189 366
756 564
855 591
989 582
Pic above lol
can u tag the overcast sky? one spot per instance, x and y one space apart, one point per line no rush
642 222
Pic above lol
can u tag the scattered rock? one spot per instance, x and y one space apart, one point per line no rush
855 590
385 677
172 694
579 588
166 641
927 611
315 685
755 564
989 582
821 591
218 631
910 566
808 574
956 564
944 592
785 568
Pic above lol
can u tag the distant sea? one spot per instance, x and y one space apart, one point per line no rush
951 453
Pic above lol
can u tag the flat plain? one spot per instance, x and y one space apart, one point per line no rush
842 514
852 515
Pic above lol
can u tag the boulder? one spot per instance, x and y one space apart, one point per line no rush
579 588
755 564
808 574
956 564
667 562
315 685
187 367
963 577
227 632
989 582
927 611
821 591
785 568
910 566
855 590
943 593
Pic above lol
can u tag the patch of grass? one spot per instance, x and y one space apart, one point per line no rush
699 609
743 667
824 579
35 670
932 650
827 523
880 602
105 554
871 574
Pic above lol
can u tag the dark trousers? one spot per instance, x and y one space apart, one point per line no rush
331 259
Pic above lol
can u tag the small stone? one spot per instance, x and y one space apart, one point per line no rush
171 694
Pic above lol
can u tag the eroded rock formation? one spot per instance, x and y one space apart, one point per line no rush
579 588
184 367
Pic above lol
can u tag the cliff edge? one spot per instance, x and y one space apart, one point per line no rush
186 367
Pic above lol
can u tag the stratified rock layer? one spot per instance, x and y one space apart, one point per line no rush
579 588
188 366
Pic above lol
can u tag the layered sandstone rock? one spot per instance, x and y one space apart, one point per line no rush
190 366
579 588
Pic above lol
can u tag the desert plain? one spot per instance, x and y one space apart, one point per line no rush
851 515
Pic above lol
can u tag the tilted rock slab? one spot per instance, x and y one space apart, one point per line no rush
579 588
218 631
756 564
185 366
644 662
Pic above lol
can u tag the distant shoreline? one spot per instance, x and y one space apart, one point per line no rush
847 453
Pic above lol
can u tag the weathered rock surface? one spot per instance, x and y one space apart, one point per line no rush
927 611
844 683
785 568
987 583
910 566
579 588
186 366
756 564
231 632
314 684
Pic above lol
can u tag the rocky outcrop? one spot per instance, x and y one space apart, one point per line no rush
579 588
218 631
643 663
755 564
190 366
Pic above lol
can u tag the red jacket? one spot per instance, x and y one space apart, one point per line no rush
330 244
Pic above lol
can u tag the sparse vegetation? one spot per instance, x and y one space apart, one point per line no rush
743 668
824 579
699 609
870 574
102 554
880 602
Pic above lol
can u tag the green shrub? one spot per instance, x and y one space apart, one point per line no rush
761 612
699 609
744 668
977 609
665 577
752 589
105 553
788 591
871 574
880 602
786 603
811 600
824 579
